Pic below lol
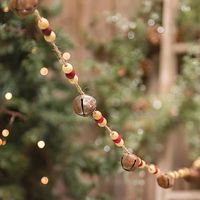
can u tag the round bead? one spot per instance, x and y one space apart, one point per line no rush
120 144
193 176
129 162
84 105
47 31
114 135
97 115
171 174
43 23
67 68
23 7
176 174
74 80
66 56
104 123
142 164
165 181
196 163
153 169
51 37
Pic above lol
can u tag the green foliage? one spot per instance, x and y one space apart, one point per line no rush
43 107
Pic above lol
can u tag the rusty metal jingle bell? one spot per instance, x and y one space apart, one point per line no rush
165 181
84 105
129 162
23 8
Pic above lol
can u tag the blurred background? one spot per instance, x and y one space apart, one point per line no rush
140 59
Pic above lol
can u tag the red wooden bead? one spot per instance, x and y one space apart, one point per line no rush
71 74
99 121
118 140
47 31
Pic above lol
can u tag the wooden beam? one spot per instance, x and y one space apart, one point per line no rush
167 73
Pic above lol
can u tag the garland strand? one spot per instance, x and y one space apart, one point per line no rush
85 105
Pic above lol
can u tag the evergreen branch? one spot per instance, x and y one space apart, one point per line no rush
13 114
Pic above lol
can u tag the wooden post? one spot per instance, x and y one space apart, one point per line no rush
167 73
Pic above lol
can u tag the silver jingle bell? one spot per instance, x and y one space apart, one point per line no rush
84 105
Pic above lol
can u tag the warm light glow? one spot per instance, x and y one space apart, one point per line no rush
8 96
44 180
5 132
34 50
4 142
44 71
1 142
41 144
6 9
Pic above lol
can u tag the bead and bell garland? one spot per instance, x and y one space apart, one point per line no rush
85 105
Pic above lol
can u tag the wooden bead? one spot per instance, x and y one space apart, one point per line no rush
74 80
103 124
47 31
196 163
51 37
43 23
193 176
114 135
67 68
84 105
23 7
171 174
129 162
165 181
153 169
142 164
71 75
176 174
66 56
97 115
120 144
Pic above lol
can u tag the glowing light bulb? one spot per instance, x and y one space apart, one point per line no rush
1 142
44 71
44 180
4 142
41 144
5 132
8 96
6 9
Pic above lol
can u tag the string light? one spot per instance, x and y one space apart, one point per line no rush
8 96
6 9
44 180
4 142
44 71
41 144
34 50
5 132
1 142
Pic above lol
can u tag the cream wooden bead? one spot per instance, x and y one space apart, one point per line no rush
67 68
142 165
114 135
51 37
152 169
74 80
43 23
176 174
197 163
66 56
171 174
103 124
120 144
97 115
